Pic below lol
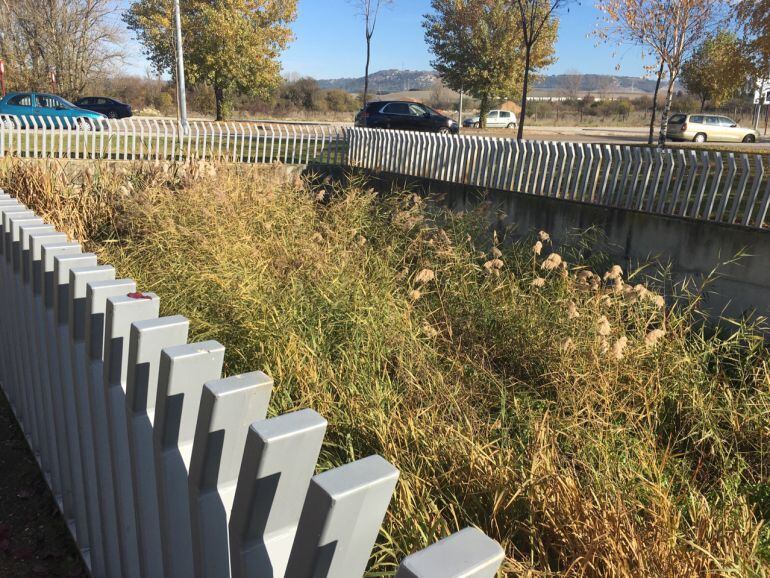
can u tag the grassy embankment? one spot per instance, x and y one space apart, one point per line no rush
564 411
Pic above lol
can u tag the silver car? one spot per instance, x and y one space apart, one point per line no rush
708 127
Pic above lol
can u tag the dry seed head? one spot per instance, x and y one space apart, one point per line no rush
604 346
537 248
652 338
543 236
619 347
496 253
414 294
552 262
493 265
603 326
538 283
572 311
428 330
317 238
614 273
425 276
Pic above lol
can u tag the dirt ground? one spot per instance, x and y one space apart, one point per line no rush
34 540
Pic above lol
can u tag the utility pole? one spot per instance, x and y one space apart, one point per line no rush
460 112
180 85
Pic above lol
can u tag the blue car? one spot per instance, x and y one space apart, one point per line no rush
46 108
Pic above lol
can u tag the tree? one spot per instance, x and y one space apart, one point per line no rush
717 70
477 46
753 17
669 30
625 22
230 45
535 18
369 11
75 40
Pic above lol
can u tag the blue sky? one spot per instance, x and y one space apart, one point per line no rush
329 42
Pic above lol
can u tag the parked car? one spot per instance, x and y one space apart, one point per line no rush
402 115
109 107
495 119
49 107
708 127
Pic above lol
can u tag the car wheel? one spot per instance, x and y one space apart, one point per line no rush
511 125
112 114
700 137
476 125
749 138
83 125
444 130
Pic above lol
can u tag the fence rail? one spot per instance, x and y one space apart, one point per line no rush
717 186
707 185
161 467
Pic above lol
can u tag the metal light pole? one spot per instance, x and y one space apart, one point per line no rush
180 85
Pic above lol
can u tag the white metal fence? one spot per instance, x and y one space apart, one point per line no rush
708 185
161 467
157 139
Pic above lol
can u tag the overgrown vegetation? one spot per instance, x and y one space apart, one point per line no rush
557 405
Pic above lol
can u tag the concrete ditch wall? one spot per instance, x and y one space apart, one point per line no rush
694 249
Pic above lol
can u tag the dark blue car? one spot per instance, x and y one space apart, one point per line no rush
47 109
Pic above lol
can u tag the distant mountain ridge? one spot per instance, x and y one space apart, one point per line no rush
394 80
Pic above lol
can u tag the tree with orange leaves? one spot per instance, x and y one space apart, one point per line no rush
668 29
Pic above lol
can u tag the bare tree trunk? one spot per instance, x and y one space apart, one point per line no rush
366 70
702 102
655 103
525 87
666 111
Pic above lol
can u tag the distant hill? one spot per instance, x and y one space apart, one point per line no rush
393 80
385 81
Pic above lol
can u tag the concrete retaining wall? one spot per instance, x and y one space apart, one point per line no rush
694 249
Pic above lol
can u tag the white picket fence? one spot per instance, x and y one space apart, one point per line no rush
160 466
707 185
158 140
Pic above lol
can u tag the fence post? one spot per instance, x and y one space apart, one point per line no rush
55 371
62 266
50 450
467 554
183 371
148 338
33 357
341 518
79 279
97 293
278 461
122 311
227 408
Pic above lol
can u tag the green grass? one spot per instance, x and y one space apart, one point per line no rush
590 430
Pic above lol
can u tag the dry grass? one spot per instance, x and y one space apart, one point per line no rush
590 430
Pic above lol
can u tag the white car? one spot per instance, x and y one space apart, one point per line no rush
495 119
